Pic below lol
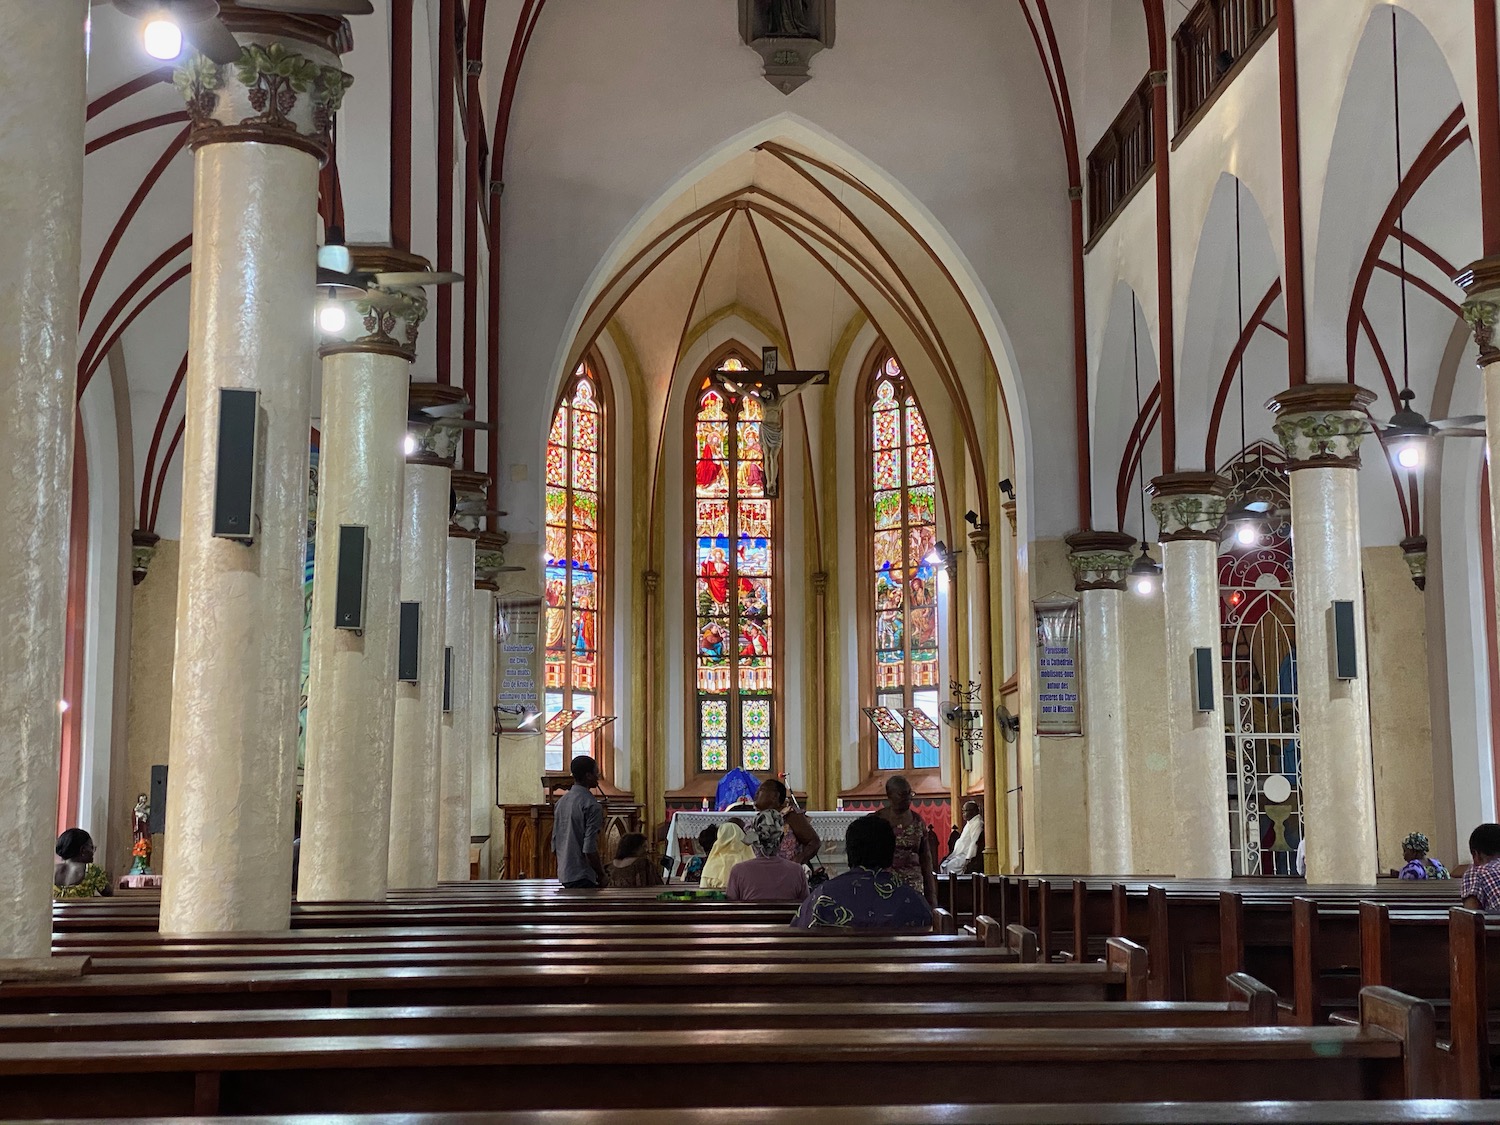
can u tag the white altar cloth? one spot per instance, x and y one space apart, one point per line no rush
830 827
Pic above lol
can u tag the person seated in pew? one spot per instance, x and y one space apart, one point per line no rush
964 847
1419 865
1481 885
730 848
632 866
578 818
768 877
868 896
801 841
706 838
75 874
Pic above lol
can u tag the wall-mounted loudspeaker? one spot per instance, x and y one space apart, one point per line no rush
349 589
408 662
1203 680
156 819
237 467
1345 659
448 680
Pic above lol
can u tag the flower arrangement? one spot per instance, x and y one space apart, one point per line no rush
142 853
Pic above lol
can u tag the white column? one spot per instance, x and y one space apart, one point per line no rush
1189 508
1481 281
419 706
236 695
995 808
453 783
1321 425
1100 561
351 705
482 710
41 212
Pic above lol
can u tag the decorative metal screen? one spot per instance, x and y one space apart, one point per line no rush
1263 752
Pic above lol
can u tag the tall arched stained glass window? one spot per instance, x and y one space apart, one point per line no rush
733 560
903 478
575 450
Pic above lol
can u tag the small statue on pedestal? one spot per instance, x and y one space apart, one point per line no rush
140 830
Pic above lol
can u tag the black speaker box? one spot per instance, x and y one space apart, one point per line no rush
350 579
448 680
408 658
156 819
1345 658
1203 679
237 466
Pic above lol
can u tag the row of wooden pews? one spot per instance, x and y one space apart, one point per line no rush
1318 948
527 998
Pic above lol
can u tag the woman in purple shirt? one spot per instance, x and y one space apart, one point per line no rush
767 877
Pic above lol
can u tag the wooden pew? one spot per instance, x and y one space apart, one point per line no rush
1123 977
1387 1057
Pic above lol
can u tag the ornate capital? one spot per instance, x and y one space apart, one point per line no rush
489 555
142 551
470 491
1414 551
1009 508
285 88
430 441
1189 505
1100 559
386 318
1480 281
979 539
1321 425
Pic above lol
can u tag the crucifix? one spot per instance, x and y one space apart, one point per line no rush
772 387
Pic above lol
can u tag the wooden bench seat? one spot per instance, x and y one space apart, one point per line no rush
435 1073
1109 1113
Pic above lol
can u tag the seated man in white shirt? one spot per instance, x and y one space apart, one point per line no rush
967 847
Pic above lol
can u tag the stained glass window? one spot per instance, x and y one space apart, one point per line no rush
573 583
903 483
734 528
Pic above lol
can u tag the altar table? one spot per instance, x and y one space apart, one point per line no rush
682 834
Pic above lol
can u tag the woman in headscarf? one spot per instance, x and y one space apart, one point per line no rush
730 848
1418 864
767 877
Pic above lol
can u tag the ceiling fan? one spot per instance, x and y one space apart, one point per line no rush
336 271
1409 430
198 22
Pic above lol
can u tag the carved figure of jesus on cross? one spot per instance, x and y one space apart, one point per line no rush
772 387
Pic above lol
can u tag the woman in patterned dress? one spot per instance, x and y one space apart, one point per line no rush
914 861
801 841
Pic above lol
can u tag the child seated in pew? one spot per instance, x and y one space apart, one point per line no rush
1481 885
632 866
706 840
868 896
767 877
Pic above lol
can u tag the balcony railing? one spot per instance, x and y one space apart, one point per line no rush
1210 40
1121 159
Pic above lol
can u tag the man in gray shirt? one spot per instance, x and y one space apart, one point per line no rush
577 821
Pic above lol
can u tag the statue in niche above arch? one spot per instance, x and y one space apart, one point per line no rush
786 34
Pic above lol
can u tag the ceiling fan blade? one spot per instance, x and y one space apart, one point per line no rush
1460 421
313 7
417 277
1461 431
461 423
210 37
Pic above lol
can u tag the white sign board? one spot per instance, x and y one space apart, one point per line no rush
1057 642
518 675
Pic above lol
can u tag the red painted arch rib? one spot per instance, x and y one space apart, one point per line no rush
161 426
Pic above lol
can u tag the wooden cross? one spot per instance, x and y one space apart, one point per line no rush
772 387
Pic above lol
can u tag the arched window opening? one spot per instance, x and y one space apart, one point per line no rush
1258 635
574 579
734 560
903 492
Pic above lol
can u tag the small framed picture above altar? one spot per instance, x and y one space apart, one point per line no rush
1058 640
